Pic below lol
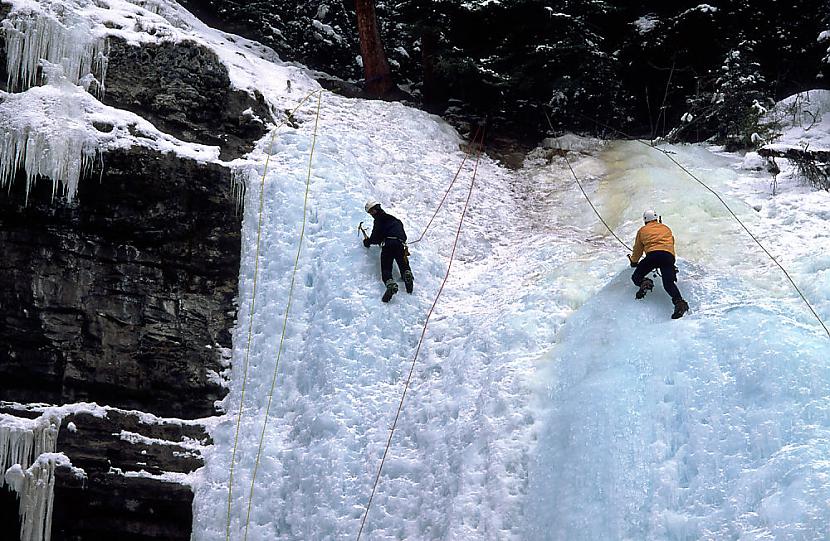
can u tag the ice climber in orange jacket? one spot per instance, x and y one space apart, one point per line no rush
657 241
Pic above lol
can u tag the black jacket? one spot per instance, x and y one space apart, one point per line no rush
386 226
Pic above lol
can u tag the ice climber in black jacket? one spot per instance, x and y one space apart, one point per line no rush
389 233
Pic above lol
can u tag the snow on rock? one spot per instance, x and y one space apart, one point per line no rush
68 39
804 119
753 162
167 477
141 22
57 131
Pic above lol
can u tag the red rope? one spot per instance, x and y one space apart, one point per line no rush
421 339
475 138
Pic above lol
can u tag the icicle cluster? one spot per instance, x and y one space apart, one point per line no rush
22 443
44 132
35 487
27 464
32 38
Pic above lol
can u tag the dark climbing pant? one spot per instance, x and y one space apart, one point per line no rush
392 251
664 261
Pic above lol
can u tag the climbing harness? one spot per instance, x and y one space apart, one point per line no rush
421 341
253 303
361 229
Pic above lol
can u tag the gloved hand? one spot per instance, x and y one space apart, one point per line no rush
366 242
632 262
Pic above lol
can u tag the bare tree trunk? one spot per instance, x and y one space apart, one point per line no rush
375 67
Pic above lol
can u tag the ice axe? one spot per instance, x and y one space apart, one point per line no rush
360 228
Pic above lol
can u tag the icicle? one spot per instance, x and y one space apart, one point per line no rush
35 487
150 5
52 139
70 44
27 465
21 442
238 187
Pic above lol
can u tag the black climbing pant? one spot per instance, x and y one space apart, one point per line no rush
393 250
664 261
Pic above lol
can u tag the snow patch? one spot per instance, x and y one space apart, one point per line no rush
753 162
646 23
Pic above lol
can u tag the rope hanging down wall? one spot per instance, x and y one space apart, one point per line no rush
253 303
285 318
728 208
447 192
585 194
421 341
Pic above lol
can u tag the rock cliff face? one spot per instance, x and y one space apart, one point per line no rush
126 297
184 90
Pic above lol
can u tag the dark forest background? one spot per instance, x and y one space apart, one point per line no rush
589 66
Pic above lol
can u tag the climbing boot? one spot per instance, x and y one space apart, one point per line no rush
680 308
408 281
391 289
645 286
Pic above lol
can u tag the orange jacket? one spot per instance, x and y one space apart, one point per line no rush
652 237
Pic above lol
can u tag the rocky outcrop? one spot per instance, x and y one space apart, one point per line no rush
124 297
126 457
184 90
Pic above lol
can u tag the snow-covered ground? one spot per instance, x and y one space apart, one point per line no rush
546 403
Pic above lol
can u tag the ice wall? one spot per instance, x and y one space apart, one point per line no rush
714 426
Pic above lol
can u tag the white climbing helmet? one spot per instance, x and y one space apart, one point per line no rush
369 204
649 216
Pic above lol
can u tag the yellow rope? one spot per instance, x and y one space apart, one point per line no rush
251 314
285 318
